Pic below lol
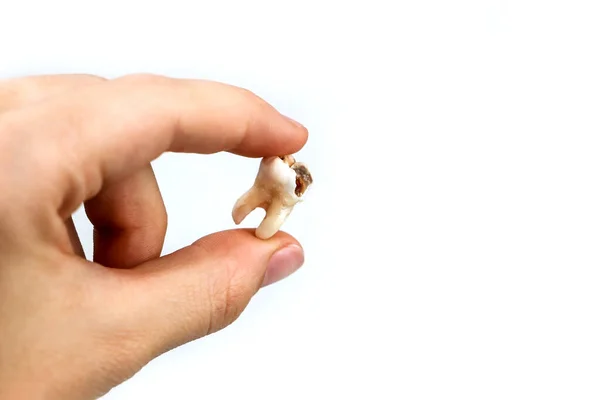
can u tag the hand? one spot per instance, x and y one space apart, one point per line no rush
71 328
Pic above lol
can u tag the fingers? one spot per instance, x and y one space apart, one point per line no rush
204 287
130 221
112 129
20 92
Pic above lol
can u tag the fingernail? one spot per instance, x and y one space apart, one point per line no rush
283 263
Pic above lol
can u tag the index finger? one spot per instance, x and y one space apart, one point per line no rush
106 131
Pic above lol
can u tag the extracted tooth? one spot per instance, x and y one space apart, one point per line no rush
279 185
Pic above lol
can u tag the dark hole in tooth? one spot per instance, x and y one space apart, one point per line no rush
303 178
299 187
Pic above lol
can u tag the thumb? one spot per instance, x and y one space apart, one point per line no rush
204 287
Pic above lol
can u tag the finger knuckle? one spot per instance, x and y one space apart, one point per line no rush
224 294
228 300
144 79
248 94
92 77
213 302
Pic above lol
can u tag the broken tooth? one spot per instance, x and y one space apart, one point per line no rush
279 185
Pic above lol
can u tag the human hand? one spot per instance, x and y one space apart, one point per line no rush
72 328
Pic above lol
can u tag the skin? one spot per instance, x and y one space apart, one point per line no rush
72 328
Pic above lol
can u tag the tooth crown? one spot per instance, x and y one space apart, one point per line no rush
277 178
279 185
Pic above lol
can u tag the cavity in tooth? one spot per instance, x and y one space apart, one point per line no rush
279 185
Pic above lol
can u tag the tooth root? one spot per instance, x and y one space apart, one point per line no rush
275 217
251 200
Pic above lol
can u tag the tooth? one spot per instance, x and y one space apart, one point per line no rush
280 184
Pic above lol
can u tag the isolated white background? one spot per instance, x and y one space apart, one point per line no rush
452 235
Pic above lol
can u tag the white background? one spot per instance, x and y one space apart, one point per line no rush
452 235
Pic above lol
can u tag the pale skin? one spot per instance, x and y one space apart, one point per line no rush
72 328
